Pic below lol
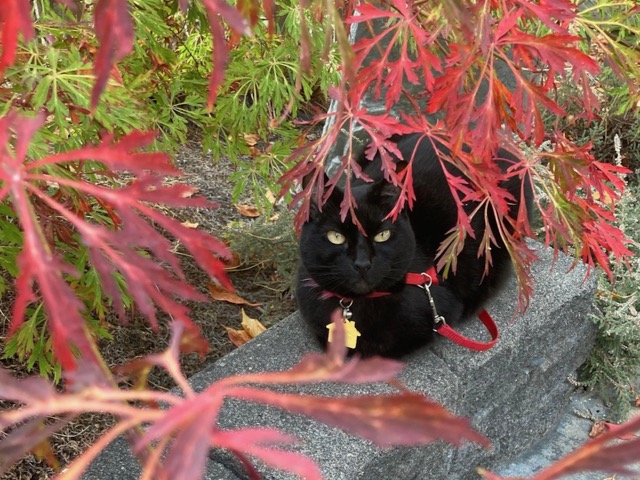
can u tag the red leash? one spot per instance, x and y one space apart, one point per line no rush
424 281
429 278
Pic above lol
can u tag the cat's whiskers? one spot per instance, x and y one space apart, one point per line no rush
334 280
330 281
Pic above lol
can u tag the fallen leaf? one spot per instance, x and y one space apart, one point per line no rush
251 138
252 326
599 428
254 152
43 451
219 293
271 198
248 211
232 261
190 224
237 337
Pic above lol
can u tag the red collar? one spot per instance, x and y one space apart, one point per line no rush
417 279
424 281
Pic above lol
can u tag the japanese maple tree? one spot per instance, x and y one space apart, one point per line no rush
444 58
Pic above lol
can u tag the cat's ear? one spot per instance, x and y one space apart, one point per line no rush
331 203
309 176
401 166
385 190
305 183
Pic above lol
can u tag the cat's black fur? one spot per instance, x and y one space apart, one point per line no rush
396 324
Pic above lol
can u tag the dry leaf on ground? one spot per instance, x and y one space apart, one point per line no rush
597 429
247 211
251 325
232 262
271 198
219 293
190 224
251 138
600 428
251 328
237 337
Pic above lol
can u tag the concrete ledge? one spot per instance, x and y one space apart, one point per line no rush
513 394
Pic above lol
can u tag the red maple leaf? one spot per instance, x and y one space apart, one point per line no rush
110 250
555 14
403 31
15 19
216 11
114 30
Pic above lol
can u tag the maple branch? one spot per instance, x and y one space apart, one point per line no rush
79 465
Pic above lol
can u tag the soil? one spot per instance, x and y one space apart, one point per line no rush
254 281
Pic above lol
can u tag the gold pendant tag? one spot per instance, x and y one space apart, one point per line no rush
351 333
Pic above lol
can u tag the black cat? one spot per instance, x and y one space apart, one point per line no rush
339 263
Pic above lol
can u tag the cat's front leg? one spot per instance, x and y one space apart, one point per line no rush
444 303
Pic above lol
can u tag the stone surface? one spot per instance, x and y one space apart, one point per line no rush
571 433
513 394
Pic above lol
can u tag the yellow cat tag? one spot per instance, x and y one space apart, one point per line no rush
351 333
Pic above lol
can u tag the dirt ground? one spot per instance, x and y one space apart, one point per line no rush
254 282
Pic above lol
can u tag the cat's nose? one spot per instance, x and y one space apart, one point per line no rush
362 265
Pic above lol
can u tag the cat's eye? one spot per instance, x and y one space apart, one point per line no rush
335 237
382 236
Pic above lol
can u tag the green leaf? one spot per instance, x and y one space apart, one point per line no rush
41 93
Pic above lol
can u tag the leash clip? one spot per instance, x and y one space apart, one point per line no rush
438 320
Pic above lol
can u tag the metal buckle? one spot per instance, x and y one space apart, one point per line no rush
425 274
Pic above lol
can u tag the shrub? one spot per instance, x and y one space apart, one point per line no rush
478 110
614 364
267 243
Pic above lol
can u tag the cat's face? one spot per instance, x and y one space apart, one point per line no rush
343 260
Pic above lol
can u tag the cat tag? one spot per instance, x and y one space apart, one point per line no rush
351 333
